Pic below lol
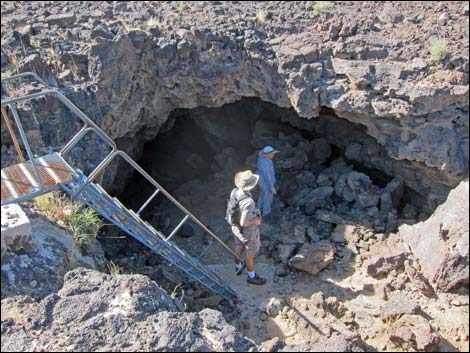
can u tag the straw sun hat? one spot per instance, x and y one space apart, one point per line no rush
246 180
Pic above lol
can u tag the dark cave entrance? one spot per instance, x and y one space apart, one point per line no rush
322 169
214 143
198 151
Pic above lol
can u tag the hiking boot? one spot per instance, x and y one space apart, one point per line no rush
240 271
256 280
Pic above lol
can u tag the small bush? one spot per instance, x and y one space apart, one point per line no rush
54 206
174 294
438 50
321 5
261 17
182 7
113 268
83 222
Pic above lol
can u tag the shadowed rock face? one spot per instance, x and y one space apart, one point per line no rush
441 242
130 65
208 55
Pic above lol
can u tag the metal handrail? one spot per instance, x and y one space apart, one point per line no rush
88 126
12 133
24 74
67 103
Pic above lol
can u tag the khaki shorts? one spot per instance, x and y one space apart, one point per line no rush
252 235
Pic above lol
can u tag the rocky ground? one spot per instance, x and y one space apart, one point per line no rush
370 286
129 65
353 257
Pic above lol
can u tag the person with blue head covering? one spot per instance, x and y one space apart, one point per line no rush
267 179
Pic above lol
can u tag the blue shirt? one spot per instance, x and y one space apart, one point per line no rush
267 179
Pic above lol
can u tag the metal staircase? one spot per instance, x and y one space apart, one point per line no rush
38 176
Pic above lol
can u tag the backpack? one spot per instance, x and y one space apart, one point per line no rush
232 215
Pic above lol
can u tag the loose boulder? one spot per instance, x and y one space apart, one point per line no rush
441 243
313 258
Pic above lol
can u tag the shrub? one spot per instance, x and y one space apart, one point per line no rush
113 268
182 7
174 294
438 50
321 5
83 222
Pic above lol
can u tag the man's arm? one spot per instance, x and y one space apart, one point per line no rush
255 222
246 216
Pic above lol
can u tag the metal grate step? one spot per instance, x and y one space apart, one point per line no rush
20 180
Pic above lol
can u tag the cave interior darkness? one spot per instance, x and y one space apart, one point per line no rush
187 145
200 150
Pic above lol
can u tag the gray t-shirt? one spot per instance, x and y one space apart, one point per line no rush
247 207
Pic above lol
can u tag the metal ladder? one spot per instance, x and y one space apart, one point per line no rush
86 190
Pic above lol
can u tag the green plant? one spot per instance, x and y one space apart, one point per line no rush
182 7
54 206
438 50
261 17
14 60
175 292
84 224
113 268
321 5
35 42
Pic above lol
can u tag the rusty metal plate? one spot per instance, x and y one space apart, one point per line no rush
20 180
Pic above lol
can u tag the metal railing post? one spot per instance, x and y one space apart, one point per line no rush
26 144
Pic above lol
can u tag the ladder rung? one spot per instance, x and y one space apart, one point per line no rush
100 188
205 250
177 228
148 200
121 218
116 200
136 216
150 227
152 241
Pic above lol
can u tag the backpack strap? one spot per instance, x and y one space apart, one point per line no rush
243 197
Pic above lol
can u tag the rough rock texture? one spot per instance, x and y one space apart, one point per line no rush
319 327
136 63
94 311
441 243
414 332
40 272
16 230
386 256
313 258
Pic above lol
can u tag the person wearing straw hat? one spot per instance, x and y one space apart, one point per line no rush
267 179
247 236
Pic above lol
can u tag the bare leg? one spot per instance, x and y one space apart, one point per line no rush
239 251
250 261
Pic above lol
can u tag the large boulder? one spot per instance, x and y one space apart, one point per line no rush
313 258
16 230
413 332
40 271
386 256
319 198
441 243
358 187
95 312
